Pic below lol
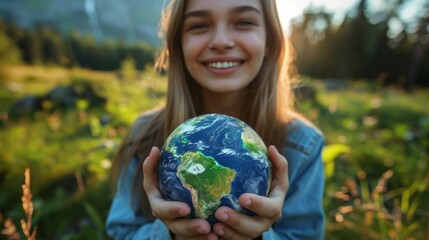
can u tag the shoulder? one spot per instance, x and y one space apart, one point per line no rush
303 138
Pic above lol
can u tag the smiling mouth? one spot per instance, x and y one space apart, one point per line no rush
223 65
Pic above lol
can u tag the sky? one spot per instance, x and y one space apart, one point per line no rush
409 11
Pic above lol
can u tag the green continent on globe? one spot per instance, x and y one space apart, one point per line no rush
253 142
206 179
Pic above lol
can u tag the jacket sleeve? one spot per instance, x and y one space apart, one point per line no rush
124 223
303 215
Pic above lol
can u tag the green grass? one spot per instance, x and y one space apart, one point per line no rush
69 151
371 131
375 160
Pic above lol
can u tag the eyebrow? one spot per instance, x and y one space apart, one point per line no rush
237 10
246 8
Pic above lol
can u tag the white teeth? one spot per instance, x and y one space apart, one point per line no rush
221 65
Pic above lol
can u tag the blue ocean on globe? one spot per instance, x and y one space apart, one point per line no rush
209 161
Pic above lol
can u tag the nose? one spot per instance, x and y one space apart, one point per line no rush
221 39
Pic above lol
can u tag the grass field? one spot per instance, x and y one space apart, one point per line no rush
376 158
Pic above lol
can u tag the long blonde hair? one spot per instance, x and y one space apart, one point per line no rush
270 99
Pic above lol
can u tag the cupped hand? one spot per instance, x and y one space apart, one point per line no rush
173 214
235 225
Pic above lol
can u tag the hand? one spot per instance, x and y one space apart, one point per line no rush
171 213
235 225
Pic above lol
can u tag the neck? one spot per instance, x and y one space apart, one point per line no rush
231 104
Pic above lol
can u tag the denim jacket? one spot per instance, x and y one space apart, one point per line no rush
302 217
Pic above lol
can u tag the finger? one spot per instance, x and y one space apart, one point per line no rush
235 225
262 206
280 181
210 236
161 208
150 178
270 206
168 210
223 231
268 209
189 227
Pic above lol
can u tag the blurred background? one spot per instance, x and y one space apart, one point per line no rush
75 74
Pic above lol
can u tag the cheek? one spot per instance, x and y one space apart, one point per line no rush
185 48
257 44
261 50
191 48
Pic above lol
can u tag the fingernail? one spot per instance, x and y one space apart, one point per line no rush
223 217
275 149
152 151
182 212
220 232
247 202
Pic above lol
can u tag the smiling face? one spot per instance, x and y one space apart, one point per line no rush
224 43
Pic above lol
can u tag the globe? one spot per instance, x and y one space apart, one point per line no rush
209 161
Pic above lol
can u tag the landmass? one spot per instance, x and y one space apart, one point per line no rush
253 142
207 181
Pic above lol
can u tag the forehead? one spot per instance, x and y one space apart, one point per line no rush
221 6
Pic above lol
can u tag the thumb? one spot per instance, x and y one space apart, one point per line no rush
150 176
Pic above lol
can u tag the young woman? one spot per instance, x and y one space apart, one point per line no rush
228 57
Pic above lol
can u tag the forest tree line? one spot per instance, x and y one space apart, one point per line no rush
355 49
359 49
45 45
